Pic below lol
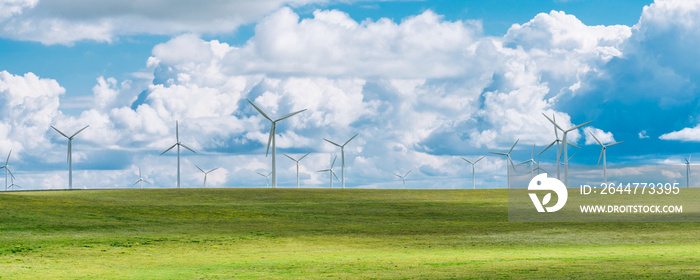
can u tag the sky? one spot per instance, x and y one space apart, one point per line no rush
423 83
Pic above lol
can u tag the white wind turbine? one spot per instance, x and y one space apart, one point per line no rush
532 162
602 155
342 152
297 161
331 172
7 169
564 144
403 178
267 177
70 153
178 144
140 181
13 185
687 171
271 139
508 159
205 174
556 141
473 173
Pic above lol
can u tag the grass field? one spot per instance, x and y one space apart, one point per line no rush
321 233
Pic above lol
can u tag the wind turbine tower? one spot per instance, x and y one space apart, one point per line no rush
178 144
687 171
70 153
403 178
508 159
602 155
297 162
271 139
564 144
342 152
473 173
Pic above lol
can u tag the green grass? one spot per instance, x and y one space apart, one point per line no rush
308 233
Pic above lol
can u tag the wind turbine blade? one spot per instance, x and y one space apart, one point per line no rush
546 148
171 147
601 155
524 162
200 169
533 151
596 138
183 145
64 135
397 175
329 141
286 155
324 170
572 156
333 163
571 144
336 176
260 111
614 143
261 174
686 161
554 123
79 131
10 171
346 142
482 157
511 148
268 174
466 160
8 158
269 139
147 182
289 115
136 183
556 134
303 156
407 173
177 131
210 171
580 125
511 162
502 154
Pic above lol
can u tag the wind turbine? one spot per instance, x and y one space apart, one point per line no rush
532 161
12 186
178 144
473 173
70 153
507 160
330 170
687 171
563 145
403 178
7 169
556 141
271 139
267 177
205 174
297 161
602 155
342 152
140 180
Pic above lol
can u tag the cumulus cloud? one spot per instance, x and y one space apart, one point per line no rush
602 136
68 21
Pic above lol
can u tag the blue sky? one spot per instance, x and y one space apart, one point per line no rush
423 82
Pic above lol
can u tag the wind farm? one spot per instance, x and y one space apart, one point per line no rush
342 161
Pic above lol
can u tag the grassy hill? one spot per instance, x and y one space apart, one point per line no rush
320 233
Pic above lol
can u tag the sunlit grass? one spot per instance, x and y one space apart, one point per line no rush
290 233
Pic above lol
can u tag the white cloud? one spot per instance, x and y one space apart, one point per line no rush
603 137
688 134
68 21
